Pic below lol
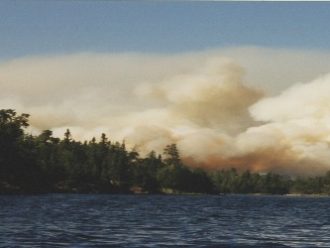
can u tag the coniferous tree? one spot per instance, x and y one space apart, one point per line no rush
43 163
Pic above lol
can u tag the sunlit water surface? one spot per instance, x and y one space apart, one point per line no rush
67 220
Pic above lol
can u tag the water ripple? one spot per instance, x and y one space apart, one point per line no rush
58 220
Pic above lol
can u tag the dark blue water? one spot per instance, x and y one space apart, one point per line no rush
60 220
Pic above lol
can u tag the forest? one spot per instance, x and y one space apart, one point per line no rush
45 164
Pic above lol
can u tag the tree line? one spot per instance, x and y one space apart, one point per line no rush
46 164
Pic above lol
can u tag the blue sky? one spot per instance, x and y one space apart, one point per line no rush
60 27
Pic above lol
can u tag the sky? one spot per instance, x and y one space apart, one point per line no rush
233 84
52 27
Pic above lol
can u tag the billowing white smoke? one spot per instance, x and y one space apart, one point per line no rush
301 118
203 102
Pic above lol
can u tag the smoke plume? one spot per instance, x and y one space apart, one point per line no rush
215 105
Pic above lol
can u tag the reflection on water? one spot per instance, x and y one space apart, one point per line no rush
59 220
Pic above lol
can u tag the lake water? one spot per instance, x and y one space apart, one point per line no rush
67 220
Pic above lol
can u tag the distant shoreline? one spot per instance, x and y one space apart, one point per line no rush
36 164
161 194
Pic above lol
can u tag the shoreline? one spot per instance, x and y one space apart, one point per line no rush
293 195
